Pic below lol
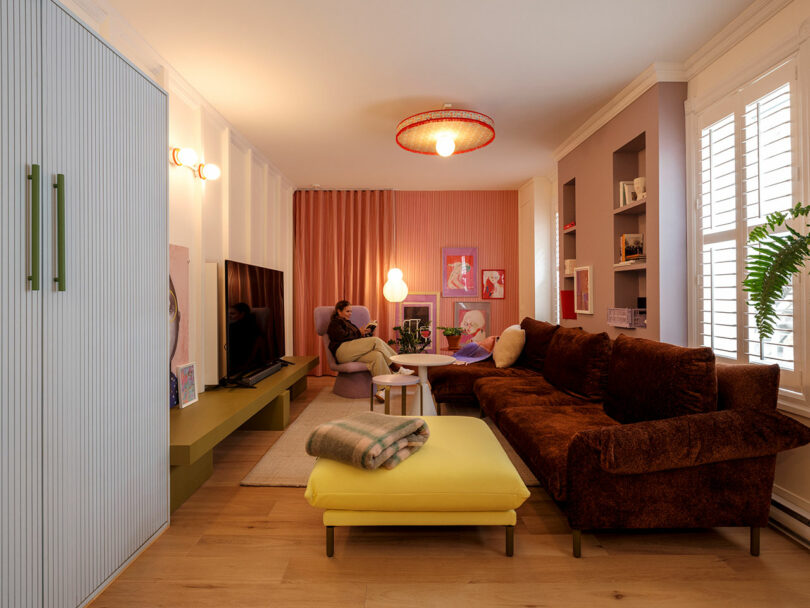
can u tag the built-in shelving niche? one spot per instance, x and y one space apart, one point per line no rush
629 282
568 235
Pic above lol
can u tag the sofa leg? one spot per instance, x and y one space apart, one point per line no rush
510 541
577 543
330 541
755 541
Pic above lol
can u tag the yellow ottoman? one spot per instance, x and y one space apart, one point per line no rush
461 477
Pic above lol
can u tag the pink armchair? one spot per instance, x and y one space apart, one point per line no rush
353 379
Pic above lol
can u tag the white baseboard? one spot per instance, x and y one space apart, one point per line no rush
790 519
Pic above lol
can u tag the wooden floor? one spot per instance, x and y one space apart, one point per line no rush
243 546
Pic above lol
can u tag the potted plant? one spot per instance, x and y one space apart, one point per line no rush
453 335
776 258
411 337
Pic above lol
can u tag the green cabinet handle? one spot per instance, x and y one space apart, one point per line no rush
35 200
59 279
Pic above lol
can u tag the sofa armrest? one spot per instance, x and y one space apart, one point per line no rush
693 440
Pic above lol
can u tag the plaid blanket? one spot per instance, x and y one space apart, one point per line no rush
368 440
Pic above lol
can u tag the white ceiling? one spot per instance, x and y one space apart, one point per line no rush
320 85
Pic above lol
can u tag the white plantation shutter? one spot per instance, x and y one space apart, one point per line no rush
746 172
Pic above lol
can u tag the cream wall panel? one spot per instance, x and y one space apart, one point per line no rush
239 208
20 311
259 213
105 358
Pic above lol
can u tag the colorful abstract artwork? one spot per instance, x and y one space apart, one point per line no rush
473 319
492 284
459 274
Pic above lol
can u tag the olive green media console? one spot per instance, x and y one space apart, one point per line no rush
195 430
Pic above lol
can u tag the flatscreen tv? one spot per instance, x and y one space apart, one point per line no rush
254 301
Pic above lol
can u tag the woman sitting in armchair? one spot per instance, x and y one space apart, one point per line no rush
350 343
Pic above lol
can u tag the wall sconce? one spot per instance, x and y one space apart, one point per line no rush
187 157
395 289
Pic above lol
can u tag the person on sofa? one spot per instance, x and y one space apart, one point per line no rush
350 343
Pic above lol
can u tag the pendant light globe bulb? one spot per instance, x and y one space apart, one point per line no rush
445 145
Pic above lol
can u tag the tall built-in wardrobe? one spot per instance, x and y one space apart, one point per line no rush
83 308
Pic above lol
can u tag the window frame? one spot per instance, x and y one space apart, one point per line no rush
792 383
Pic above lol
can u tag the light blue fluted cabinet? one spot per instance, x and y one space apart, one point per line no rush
83 308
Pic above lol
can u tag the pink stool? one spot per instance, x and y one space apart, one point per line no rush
388 381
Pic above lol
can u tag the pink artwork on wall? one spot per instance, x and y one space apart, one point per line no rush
492 284
473 319
459 272
178 316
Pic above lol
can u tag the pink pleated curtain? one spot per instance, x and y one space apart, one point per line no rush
344 245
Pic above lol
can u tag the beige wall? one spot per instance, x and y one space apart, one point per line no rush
537 203
245 216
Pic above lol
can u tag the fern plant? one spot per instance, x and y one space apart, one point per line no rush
776 258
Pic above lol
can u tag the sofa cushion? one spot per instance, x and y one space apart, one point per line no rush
541 436
538 337
650 380
508 347
454 383
577 362
496 394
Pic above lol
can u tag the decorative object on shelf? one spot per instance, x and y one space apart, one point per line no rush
459 272
583 290
640 187
473 319
395 289
445 132
627 193
567 304
187 157
776 258
569 225
631 247
492 284
422 306
187 381
568 267
178 316
453 335
412 337
629 318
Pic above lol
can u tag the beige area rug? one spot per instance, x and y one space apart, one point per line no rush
286 463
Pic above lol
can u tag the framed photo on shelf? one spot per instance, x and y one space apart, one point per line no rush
492 284
187 384
459 271
422 306
473 319
627 193
583 290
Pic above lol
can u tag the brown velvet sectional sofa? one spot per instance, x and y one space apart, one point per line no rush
632 433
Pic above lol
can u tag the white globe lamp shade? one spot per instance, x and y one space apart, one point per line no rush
395 289
184 157
209 171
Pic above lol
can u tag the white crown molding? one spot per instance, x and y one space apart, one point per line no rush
746 22
655 73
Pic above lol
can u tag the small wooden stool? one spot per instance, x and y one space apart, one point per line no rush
389 381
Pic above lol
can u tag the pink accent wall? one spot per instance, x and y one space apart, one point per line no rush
428 221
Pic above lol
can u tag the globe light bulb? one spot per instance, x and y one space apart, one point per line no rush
184 157
209 171
445 145
395 289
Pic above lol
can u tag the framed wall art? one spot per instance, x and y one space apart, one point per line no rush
583 290
459 272
422 306
187 384
492 284
473 319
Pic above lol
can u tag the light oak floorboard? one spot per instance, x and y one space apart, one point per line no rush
255 546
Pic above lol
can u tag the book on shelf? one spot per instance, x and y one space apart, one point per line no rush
631 247
632 262
569 225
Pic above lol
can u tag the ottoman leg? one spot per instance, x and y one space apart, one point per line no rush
510 541
330 541
754 541
577 543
